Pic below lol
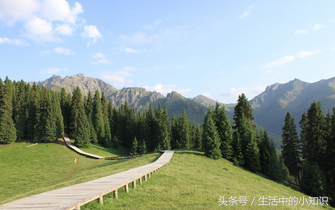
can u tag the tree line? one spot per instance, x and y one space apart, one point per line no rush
43 115
310 154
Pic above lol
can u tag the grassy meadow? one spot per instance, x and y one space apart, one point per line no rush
193 181
48 166
189 181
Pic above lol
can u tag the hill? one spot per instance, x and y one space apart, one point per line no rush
193 181
271 106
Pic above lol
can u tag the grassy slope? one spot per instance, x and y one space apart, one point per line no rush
44 167
193 181
98 149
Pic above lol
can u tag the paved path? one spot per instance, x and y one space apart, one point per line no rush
69 144
74 196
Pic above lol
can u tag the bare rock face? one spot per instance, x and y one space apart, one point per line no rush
85 84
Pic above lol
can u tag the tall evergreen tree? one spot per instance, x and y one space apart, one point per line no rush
98 120
79 122
224 129
88 105
104 106
163 131
184 130
290 147
65 103
33 125
245 136
151 125
20 110
7 127
314 142
211 139
303 124
47 122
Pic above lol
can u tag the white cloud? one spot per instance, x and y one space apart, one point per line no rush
289 58
246 13
152 26
38 16
64 29
18 10
137 38
91 32
119 78
233 93
100 58
98 55
12 41
59 10
129 50
317 26
303 54
301 31
164 89
101 61
64 51
53 70
40 30
279 62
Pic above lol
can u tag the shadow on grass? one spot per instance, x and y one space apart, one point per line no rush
197 152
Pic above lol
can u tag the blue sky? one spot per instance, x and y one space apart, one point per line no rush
216 48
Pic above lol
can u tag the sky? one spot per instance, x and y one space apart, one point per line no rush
217 48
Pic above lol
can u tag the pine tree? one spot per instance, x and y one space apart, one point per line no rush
79 123
184 130
88 105
65 103
104 106
303 124
198 137
224 129
7 127
134 147
314 142
175 144
98 120
163 131
211 139
47 121
58 117
329 158
33 125
82 134
20 110
312 180
151 125
245 136
290 148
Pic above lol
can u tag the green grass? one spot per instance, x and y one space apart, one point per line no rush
193 181
98 149
44 167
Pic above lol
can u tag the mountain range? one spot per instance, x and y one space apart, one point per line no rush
269 107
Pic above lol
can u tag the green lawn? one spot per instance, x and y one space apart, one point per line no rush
44 167
193 181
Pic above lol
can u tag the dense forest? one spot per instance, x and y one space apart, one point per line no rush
310 155
42 115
